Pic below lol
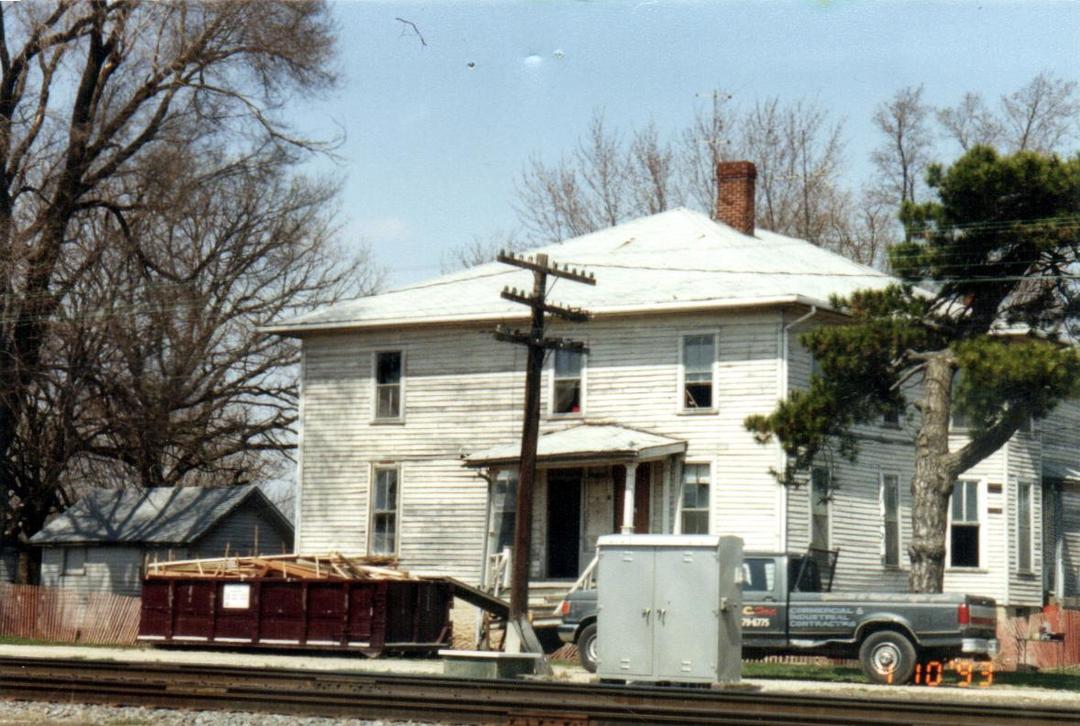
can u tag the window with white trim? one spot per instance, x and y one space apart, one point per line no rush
1024 509
389 372
698 367
384 510
964 525
819 508
890 511
695 499
566 388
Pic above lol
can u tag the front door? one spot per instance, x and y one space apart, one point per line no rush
563 523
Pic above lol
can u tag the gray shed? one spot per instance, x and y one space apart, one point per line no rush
102 542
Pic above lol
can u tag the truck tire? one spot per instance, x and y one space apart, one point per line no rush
586 645
887 657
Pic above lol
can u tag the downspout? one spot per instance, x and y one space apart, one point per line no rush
298 491
785 334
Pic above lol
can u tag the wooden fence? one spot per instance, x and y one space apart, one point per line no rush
66 616
1047 639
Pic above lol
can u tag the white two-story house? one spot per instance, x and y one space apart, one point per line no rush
411 415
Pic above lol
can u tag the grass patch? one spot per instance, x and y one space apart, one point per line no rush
802 672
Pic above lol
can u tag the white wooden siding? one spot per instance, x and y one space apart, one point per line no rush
1059 433
116 570
248 530
464 392
1070 520
9 563
856 515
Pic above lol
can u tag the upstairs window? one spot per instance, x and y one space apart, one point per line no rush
695 499
819 508
890 507
698 358
566 389
964 525
1024 509
388 375
384 511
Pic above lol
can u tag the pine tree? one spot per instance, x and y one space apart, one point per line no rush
981 324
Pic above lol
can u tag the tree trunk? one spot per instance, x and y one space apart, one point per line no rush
932 484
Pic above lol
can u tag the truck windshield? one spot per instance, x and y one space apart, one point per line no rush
759 574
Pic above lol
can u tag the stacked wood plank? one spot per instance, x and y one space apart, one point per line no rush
330 566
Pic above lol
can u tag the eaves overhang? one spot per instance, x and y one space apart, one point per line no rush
298 330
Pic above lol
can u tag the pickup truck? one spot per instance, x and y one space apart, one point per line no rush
788 609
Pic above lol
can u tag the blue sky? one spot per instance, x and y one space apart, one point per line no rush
433 145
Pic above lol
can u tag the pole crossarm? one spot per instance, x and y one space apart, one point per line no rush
573 315
541 265
506 335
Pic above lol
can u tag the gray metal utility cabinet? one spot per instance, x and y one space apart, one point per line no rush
669 608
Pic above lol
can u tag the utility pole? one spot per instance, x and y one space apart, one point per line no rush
518 621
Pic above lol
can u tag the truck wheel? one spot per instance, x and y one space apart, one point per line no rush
887 657
587 647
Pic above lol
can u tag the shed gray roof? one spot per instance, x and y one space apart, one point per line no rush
584 442
160 515
675 260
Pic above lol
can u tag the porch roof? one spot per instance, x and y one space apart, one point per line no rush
1063 472
584 442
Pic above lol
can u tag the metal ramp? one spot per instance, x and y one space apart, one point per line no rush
484 600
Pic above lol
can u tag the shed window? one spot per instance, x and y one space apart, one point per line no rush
695 499
964 525
1024 509
384 511
566 395
890 507
388 375
74 561
819 508
698 357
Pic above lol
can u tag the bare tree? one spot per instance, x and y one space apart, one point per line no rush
798 152
861 228
706 142
481 250
970 123
906 149
651 171
87 90
1042 116
797 147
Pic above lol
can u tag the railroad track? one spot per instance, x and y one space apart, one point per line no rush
428 698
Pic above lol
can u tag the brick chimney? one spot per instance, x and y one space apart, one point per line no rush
735 194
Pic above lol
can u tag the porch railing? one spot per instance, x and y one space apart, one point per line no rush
497 573
587 581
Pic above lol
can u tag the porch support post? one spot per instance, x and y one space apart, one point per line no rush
628 498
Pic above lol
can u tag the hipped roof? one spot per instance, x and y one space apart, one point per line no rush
159 516
586 442
672 261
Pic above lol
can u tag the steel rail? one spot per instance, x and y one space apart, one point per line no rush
438 699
